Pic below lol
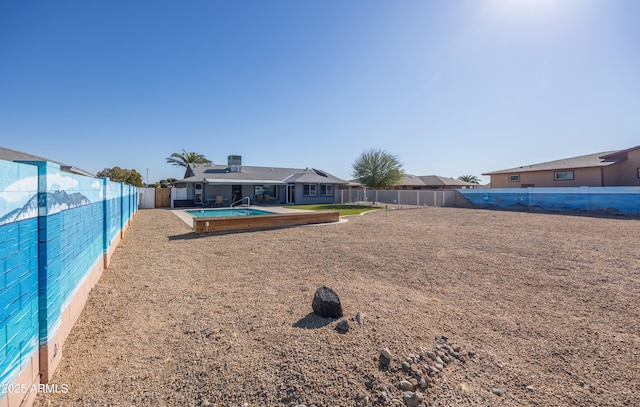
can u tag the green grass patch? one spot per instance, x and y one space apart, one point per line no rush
342 209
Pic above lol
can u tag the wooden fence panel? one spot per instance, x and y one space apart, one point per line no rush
163 197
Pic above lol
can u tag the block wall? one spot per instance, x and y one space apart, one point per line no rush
56 231
19 324
606 200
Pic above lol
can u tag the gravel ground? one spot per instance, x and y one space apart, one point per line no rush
536 309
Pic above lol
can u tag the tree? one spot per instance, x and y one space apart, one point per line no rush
469 178
184 159
164 183
377 168
117 174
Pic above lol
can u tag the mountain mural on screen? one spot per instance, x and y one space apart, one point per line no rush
53 201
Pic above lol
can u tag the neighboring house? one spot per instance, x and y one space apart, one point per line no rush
413 182
8 154
438 182
606 169
222 185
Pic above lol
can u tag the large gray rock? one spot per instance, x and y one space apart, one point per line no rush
326 303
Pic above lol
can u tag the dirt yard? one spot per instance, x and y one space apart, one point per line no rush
537 309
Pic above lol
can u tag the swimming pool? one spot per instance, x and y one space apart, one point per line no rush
226 213
249 219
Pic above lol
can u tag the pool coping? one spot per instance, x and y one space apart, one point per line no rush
183 215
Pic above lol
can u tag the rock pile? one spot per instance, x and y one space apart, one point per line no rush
419 372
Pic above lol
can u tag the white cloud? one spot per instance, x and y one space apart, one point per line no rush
20 190
99 186
60 182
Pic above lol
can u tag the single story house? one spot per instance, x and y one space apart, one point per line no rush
606 169
438 182
223 185
418 182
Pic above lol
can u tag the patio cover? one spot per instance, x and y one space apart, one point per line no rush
237 181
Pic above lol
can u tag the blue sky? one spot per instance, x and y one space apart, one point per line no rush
451 86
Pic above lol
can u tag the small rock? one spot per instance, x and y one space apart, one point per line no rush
497 392
342 326
326 303
359 318
406 385
406 366
205 403
439 366
412 399
431 355
369 384
362 402
530 388
423 384
465 388
385 353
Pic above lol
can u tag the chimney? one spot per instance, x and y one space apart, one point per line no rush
234 162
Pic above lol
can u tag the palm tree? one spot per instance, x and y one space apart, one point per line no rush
469 178
184 159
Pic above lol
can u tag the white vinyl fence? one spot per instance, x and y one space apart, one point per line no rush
178 194
442 197
147 198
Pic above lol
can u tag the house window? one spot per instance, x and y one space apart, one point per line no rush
270 190
638 172
563 175
310 190
326 189
514 178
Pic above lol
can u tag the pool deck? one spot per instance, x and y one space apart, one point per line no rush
281 217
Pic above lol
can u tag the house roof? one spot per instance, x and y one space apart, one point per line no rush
410 181
583 161
427 180
222 175
620 155
436 180
8 154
